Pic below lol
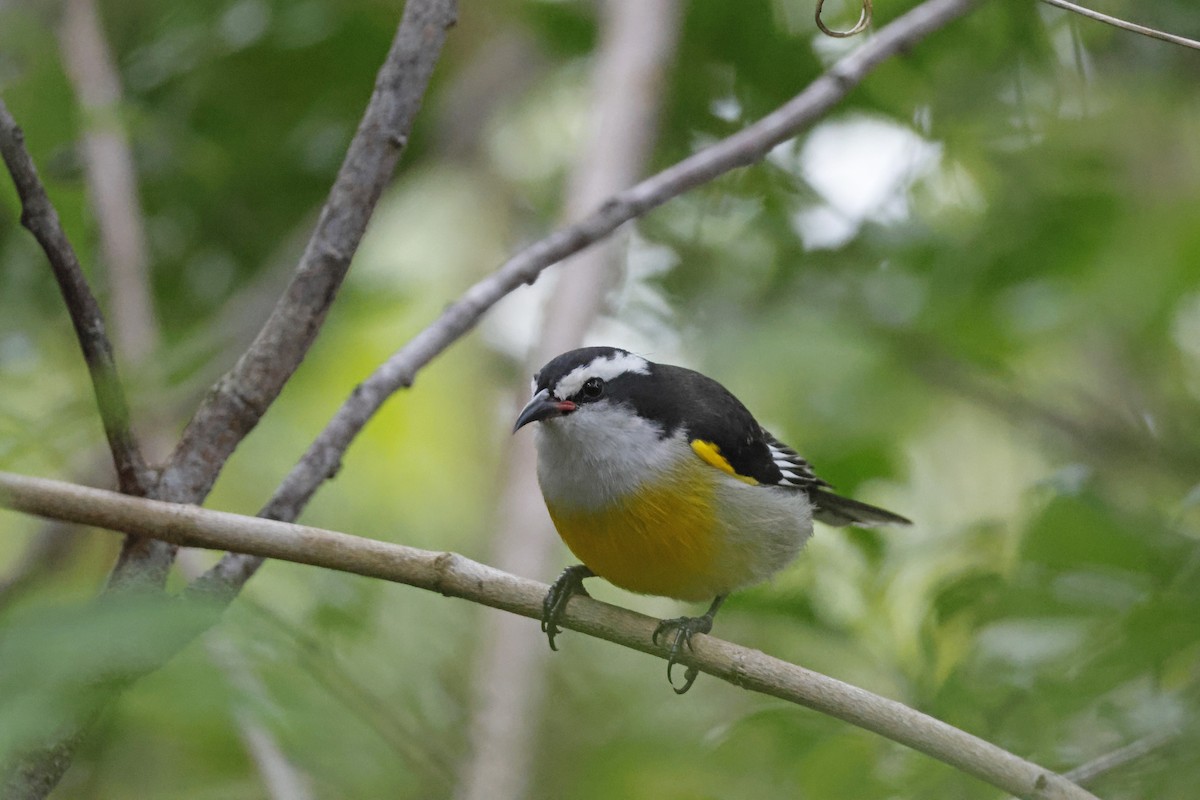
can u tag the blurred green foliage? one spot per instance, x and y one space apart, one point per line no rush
1001 340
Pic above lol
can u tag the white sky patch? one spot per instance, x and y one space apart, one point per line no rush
863 168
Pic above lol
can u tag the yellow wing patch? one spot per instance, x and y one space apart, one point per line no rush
711 454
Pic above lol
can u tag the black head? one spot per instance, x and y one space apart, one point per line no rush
579 377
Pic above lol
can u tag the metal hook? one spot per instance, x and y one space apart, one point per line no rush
864 20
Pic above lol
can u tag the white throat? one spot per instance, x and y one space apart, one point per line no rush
601 453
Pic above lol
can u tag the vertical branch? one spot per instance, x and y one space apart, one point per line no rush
111 179
637 42
112 188
38 215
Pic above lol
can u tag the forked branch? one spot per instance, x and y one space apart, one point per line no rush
1125 25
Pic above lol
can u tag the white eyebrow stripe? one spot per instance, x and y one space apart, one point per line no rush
605 368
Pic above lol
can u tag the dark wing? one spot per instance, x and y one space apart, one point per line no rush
726 435
753 452
722 431
719 420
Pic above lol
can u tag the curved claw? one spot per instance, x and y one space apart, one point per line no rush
684 628
568 584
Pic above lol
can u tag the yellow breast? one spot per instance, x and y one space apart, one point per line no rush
663 539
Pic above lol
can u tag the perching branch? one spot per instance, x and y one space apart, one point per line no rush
748 146
456 576
39 216
1125 25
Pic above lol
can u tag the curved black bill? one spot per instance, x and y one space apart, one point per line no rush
541 407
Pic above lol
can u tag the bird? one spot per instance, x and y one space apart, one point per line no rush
660 481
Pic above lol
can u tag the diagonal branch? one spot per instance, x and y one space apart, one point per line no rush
748 146
1087 773
39 216
1125 25
456 576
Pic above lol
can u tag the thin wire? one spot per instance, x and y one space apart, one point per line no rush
1114 21
864 19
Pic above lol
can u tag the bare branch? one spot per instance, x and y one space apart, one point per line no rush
1124 25
456 576
39 216
748 146
1121 757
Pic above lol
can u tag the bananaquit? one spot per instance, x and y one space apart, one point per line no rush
661 482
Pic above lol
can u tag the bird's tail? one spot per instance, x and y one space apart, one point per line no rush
833 509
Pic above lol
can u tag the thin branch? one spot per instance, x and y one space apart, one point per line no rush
39 216
112 189
1125 25
748 146
1122 757
456 576
1087 773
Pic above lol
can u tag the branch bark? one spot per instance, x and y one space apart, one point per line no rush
40 218
323 458
456 576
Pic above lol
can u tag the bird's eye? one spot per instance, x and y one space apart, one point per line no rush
592 388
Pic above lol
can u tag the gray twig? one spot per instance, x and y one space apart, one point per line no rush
1116 22
1136 750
